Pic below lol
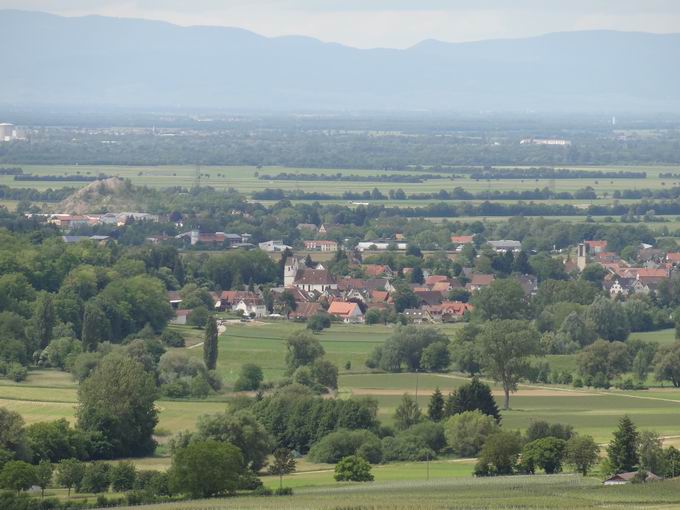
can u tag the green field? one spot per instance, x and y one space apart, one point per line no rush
540 492
49 394
243 178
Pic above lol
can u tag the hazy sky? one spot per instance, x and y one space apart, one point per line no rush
387 23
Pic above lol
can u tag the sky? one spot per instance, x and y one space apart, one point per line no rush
386 23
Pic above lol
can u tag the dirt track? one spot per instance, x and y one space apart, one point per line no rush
497 393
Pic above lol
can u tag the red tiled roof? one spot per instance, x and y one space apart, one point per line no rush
673 257
314 277
462 239
436 278
342 308
375 269
304 310
597 244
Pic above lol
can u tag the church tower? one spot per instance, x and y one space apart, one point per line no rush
581 256
290 271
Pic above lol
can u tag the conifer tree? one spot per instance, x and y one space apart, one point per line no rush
210 344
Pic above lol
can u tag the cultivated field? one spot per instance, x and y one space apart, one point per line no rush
540 492
244 179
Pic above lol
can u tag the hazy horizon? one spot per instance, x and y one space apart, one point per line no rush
386 24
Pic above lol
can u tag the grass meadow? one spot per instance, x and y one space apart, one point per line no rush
539 492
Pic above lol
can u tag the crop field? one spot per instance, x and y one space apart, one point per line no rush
540 491
244 179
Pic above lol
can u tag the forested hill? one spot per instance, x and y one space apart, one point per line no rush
109 61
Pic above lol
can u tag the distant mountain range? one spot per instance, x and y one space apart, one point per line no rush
94 60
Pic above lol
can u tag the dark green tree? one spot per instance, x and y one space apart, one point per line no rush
582 453
43 475
240 429
117 400
70 474
302 349
210 344
18 476
96 326
504 350
622 451
502 300
123 476
96 478
250 378
546 453
206 468
44 319
472 396
435 409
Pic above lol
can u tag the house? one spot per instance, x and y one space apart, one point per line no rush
304 310
443 287
368 284
673 258
251 307
429 297
230 298
436 278
596 246
381 245
347 311
69 221
462 240
417 315
327 246
195 237
318 280
505 245
376 270
479 281
624 478
180 317
174 298
652 277
274 246
450 311
379 296
619 286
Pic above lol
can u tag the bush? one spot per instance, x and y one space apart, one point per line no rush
250 378
198 317
431 434
319 322
353 469
344 443
283 491
261 490
467 432
405 447
17 372
172 338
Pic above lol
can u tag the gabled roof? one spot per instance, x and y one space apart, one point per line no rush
314 277
344 308
304 310
462 239
430 297
436 278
